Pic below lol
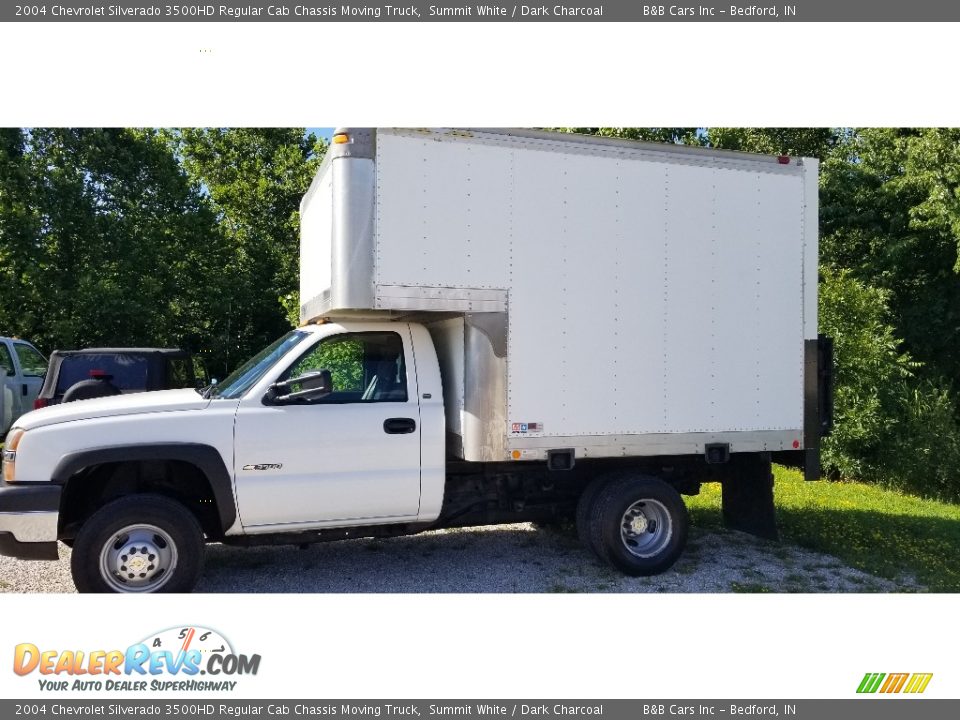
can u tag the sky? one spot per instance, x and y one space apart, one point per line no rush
321 132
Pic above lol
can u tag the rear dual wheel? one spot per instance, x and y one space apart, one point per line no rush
636 523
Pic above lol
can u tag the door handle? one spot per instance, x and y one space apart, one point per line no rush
24 391
399 426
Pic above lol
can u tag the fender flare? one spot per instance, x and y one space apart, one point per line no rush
204 457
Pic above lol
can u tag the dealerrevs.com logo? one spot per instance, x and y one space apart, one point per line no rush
891 683
173 659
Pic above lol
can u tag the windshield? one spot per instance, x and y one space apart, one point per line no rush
248 374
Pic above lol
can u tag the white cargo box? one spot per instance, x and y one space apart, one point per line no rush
614 297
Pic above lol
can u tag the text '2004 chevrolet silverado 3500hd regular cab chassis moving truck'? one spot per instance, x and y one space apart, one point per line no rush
499 326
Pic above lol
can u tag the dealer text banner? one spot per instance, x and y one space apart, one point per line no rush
210 708
460 11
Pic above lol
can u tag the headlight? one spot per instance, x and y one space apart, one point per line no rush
10 454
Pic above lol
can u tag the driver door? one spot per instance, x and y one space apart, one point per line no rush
352 457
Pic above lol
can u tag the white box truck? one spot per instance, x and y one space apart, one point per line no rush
498 326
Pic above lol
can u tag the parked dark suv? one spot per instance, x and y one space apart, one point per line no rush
97 372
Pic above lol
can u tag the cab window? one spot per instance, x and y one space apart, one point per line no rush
32 363
364 367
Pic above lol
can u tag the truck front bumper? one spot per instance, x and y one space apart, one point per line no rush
28 521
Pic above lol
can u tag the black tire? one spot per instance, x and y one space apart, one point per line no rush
639 525
584 507
165 543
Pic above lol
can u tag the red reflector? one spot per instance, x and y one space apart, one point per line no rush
796 444
97 373
39 403
784 159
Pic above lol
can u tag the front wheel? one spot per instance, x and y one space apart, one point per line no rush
639 525
138 544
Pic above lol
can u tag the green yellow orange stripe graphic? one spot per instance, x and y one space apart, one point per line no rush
894 682
870 682
918 682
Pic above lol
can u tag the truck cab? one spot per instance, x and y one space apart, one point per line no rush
367 448
266 451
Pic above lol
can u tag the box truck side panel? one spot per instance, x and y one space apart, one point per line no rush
577 313
443 213
337 236
692 339
669 337
316 242
755 321
781 297
654 298
734 301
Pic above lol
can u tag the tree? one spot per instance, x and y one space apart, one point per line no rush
253 179
890 203
19 225
103 241
869 364
806 142
799 142
892 427
679 135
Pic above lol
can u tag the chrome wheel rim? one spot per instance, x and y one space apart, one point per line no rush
646 528
138 558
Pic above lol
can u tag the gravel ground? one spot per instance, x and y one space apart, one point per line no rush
507 558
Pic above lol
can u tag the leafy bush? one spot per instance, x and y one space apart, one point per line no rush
920 450
867 363
891 426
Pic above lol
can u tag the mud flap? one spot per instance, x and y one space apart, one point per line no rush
748 495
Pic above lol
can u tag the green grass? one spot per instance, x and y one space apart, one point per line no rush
882 532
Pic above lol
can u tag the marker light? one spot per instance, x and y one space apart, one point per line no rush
341 138
10 454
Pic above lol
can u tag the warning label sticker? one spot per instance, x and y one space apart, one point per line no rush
527 427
